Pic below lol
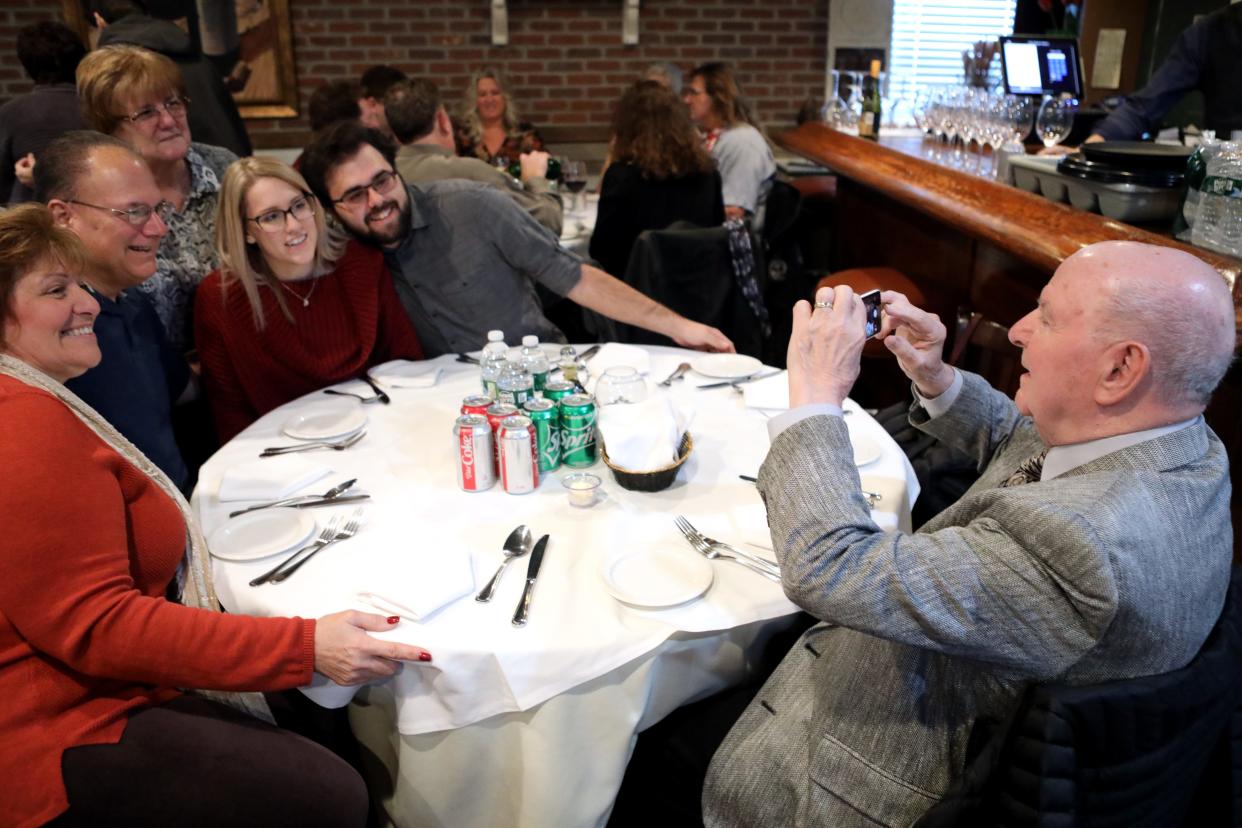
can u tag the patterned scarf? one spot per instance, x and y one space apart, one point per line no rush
745 272
194 586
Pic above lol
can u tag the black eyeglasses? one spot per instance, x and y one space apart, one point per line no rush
273 220
357 196
174 106
137 215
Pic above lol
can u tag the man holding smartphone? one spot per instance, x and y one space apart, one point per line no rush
1095 546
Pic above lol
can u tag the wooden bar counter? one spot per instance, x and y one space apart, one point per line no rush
971 242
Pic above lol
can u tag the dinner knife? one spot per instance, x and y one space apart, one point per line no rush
344 499
751 378
532 572
379 392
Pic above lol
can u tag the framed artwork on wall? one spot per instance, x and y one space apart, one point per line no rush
250 40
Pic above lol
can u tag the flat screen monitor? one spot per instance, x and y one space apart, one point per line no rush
1035 65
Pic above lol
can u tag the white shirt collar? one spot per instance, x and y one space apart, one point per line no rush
1062 459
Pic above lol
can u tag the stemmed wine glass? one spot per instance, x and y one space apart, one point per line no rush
1055 120
574 177
836 111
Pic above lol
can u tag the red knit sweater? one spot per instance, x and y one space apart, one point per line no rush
90 544
354 320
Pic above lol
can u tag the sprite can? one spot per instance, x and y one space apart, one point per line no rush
547 419
558 390
578 430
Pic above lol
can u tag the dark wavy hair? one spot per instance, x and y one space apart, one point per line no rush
49 52
335 144
728 102
652 130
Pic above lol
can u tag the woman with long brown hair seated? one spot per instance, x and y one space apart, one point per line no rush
93 658
293 306
660 174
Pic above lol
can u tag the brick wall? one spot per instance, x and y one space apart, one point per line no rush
565 60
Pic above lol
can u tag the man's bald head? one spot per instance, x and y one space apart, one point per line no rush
1171 301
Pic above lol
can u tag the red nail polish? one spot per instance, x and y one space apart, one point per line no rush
424 656
392 619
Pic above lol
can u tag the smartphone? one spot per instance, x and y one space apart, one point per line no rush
871 302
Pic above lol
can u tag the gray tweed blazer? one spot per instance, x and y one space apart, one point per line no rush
1114 570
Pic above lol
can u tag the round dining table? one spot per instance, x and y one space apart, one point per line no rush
522 725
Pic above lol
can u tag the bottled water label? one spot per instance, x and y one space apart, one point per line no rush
1222 186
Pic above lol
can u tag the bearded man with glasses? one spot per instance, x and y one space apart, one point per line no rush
100 189
464 257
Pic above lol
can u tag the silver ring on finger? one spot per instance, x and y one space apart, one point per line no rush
825 305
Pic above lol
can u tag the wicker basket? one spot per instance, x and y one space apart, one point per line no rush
650 481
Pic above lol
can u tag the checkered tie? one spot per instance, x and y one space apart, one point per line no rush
1028 472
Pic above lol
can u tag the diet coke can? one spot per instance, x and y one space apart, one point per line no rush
519 458
473 437
476 404
496 412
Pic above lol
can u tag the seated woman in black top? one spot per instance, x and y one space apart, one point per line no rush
660 173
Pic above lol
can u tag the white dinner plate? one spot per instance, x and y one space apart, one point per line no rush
259 534
726 366
866 450
326 422
405 373
656 576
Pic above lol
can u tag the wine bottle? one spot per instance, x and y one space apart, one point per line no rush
869 124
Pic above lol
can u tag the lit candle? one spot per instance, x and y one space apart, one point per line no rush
582 488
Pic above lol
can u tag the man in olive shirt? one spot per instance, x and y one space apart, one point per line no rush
464 258
417 117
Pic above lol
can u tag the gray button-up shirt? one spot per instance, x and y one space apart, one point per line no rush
470 264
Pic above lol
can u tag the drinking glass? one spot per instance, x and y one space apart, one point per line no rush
836 111
574 177
1055 120
620 384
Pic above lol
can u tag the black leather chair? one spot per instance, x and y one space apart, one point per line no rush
689 270
1160 751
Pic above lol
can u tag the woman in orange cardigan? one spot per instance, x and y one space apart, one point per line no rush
95 727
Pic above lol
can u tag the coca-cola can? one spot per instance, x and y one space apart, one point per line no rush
476 404
496 412
473 438
519 458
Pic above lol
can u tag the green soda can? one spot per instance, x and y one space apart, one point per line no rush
558 390
578 430
546 416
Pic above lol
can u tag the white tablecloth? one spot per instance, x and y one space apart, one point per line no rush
578 224
583 657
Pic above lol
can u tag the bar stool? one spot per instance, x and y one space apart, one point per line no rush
863 279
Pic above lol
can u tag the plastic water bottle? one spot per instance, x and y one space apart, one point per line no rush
514 386
1218 225
535 362
1196 171
491 362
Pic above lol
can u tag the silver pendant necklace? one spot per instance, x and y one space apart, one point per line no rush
305 300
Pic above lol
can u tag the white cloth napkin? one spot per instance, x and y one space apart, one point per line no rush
644 436
402 373
771 392
270 478
414 586
614 354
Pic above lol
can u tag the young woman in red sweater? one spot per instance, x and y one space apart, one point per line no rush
93 658
293 307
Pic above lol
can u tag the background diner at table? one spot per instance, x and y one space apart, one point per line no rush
462 394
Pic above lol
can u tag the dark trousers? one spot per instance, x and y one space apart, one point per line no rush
193 762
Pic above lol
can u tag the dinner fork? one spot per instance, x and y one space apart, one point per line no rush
348 531
707 550
365 400
338 445
688 530
326 535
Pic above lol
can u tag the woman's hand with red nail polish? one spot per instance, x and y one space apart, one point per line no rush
347 655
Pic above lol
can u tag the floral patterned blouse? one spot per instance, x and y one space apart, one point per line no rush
187 253
525 139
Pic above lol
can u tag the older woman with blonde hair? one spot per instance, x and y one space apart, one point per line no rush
732 135
660 174
488 126
294 306
96 723
139 96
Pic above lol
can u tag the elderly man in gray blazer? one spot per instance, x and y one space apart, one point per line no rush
1096 545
